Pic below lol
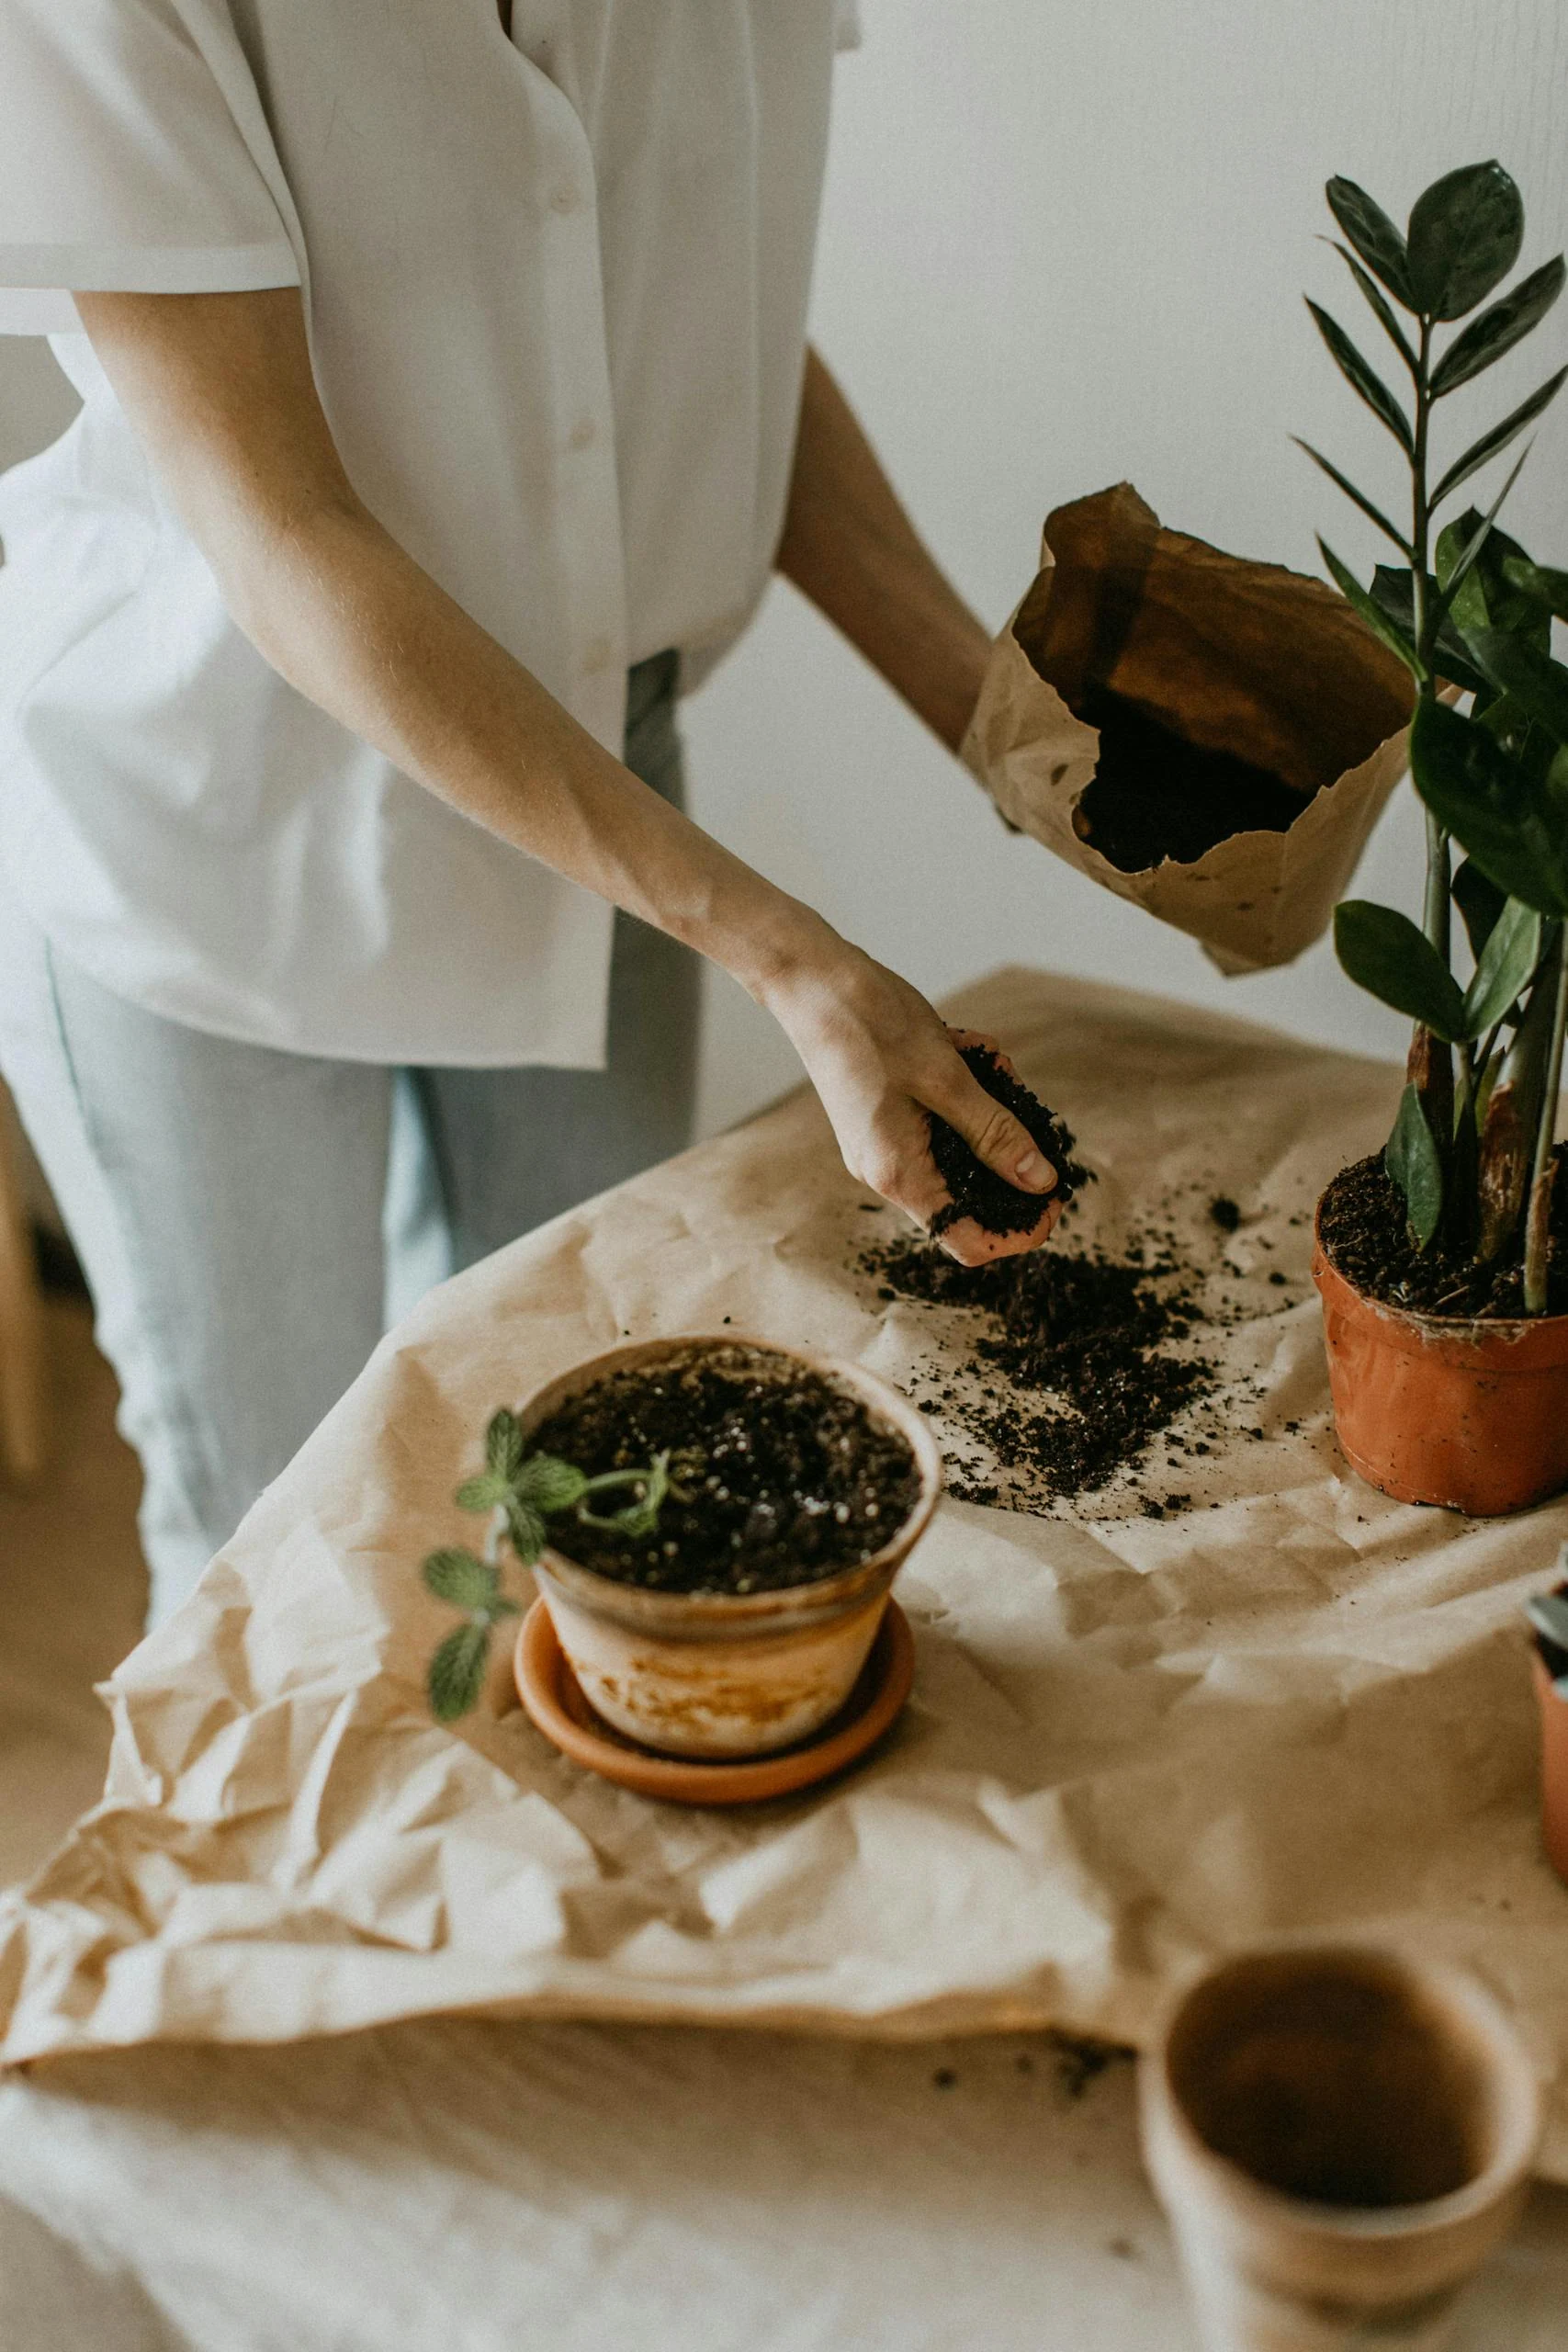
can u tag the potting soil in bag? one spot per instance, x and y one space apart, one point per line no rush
1210 737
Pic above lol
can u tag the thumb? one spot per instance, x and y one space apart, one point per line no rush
993 1134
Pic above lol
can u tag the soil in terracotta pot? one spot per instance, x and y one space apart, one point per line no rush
1155 796
978 1192
1365 1236
779 1477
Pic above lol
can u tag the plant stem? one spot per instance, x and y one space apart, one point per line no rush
1538 1230
1437 921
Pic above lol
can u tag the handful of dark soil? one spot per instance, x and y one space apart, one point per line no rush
779 1477
1156 796
976 1190
1366 1234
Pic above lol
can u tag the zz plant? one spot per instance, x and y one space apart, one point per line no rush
521 1493
1471 1149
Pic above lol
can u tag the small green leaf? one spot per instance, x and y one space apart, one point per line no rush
1540 582
526 1529
482 1493
457 1577
1394 594
549 1485
1414 1164
1384 952
1358 497
1374 236
456 1673
1480 903
1515 827
1491 445
1536 683
1464 237
1505 969
1382 627
503 1443
1363 378
1496 331
1380 309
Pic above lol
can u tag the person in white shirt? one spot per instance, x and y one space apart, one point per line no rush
446 403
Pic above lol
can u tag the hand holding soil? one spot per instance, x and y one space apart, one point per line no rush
884 1064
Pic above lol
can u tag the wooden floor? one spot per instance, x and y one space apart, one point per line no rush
73 1590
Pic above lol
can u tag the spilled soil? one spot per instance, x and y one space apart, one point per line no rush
1156 796
1362 1224
976 1190
779 1477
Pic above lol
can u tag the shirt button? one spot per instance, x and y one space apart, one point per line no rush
564 197
597 655
581 434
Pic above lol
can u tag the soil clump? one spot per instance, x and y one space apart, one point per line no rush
1366 1238
1083 1336
1155 796
976 1190
778 1477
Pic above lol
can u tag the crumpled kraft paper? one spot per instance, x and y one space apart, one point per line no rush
1133 1742
1235 656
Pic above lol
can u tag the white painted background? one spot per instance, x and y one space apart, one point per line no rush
1065 242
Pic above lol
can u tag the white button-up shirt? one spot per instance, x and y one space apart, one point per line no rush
556 289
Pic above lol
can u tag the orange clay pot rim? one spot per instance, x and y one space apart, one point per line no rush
784 1608
1508 1331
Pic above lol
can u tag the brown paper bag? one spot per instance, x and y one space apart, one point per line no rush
1239 658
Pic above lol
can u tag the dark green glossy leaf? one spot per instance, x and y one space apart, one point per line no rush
549 1485
482 1493
1358 497
1530 678
1480 903
1496 331
1386 953
1476 556
1538 581
1515 827
1377 621
1363 378
1491 445
1413 1160
1374 236
503 1443
457 1672
1380 309
1505 970
457 1577
1464 237
1392 593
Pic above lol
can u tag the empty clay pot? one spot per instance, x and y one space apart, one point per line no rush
1554 1768
726 1674
1339 2135
1437 1409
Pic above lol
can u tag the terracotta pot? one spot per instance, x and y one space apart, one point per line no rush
1554 1768
1340 2134
1443 1410
728 1674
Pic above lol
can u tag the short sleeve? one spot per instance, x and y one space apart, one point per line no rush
122 166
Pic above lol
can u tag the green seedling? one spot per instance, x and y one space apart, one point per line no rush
522 1493
1472 1148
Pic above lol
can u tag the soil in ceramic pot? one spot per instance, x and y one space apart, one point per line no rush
780 1477
1366 1237
1156 796
976 1190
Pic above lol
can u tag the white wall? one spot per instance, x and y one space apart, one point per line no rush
1065 242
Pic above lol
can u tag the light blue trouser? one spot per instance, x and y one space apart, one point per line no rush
249 1220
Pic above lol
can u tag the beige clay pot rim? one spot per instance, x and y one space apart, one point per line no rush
1459 1338
786 1609
1229 2185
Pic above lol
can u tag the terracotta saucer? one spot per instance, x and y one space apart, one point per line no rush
550 1693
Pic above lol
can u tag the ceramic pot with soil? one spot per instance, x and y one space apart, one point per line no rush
798 1487
1444 1390
1549 1617
1339 2135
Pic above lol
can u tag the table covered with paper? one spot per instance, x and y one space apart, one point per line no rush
1286 1703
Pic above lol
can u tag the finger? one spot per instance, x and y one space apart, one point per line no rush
965 1040
992 1134
975 1245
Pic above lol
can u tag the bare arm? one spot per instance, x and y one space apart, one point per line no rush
850 547
221 392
